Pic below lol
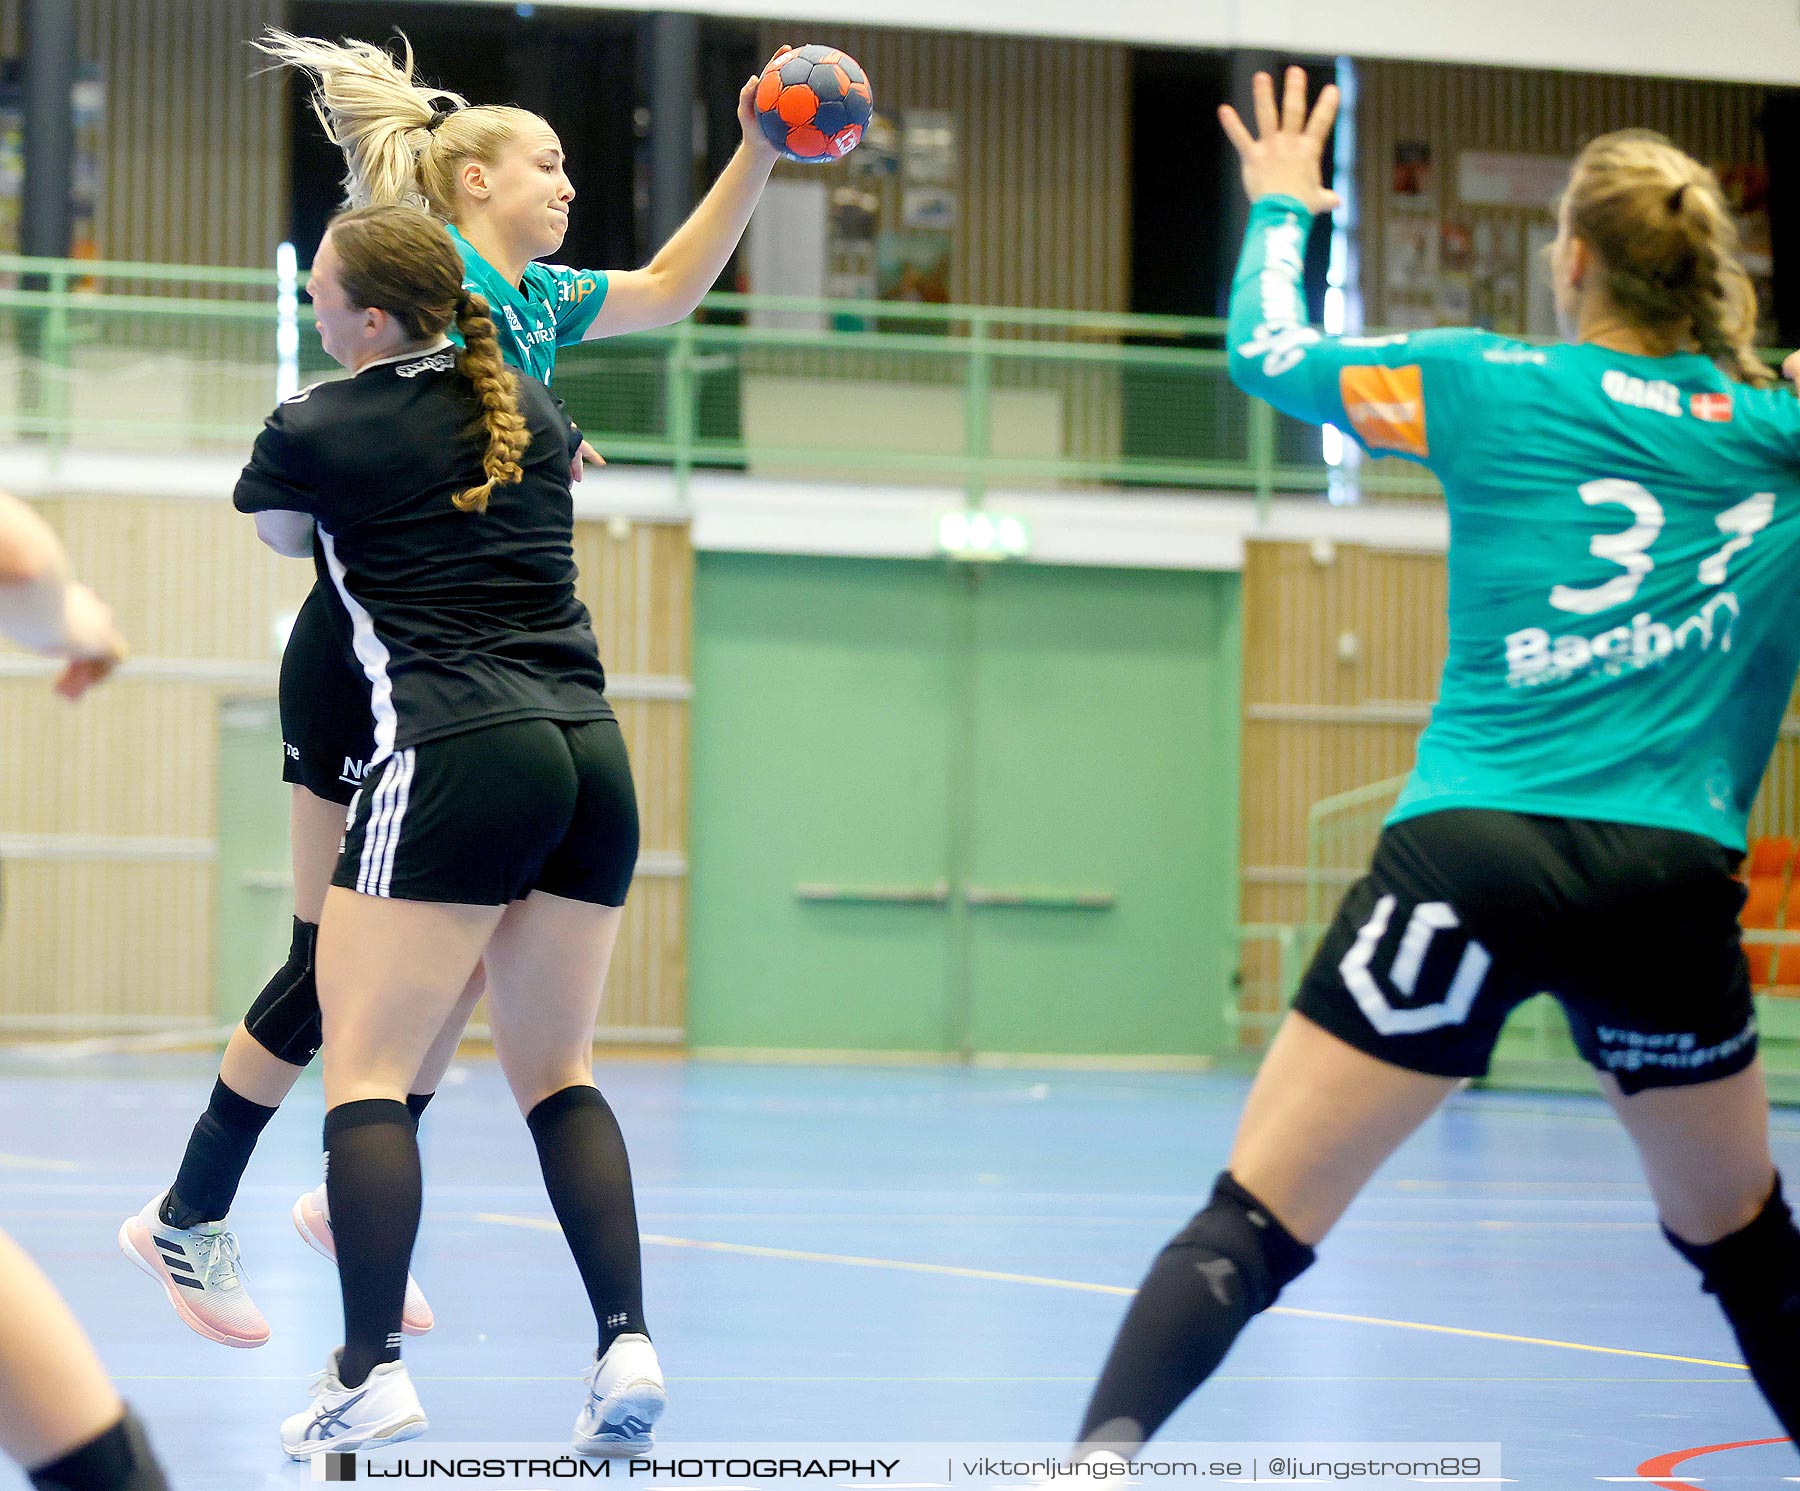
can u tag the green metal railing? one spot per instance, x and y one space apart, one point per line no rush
127 355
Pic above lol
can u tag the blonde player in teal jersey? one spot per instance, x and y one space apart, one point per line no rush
497 177
1624 634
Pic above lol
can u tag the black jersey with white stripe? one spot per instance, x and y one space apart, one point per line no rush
458 619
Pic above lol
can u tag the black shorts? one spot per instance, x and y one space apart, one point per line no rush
1466 914
327 727
488 816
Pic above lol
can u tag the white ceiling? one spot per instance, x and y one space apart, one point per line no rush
1744 40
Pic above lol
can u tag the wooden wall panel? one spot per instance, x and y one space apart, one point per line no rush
138 757
1777 809
650 964
107 945
1043 189
656 735
121 943
1534 113
194 166
188 579
1342 650
637 580
1043 176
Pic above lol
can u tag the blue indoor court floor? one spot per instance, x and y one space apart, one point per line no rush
843 1254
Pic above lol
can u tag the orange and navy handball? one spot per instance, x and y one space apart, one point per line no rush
814 103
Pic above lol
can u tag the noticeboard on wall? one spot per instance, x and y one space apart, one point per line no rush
89 102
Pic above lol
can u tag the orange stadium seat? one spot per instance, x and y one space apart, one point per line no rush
1766 873
1763 903
1786 973
1769 857
1786 983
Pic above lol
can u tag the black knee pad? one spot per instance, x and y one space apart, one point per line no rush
1238 1238
1755 1273
285 1018
1756 1267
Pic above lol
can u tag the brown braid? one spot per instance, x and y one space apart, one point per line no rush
401 261
498 387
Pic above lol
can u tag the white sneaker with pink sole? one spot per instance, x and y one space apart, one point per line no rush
312 1220
199 1270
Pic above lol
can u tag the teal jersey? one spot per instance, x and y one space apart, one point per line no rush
1624 557
552 306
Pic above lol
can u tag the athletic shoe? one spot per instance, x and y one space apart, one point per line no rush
312 1220
625 1399
198 1269
384 1409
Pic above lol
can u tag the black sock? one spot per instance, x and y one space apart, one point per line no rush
217 1152
417 1102
120 1459
1755 1275
373 1184
1229 1262
588 1176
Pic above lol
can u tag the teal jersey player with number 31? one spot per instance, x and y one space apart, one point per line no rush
1624 619
1624 551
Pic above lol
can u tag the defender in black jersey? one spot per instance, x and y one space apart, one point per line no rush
449 641
405 143
497 819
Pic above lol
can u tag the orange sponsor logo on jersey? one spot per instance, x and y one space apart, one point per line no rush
1387 407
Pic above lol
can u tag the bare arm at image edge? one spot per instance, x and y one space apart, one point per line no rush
42 609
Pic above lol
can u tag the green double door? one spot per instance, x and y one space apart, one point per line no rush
946 809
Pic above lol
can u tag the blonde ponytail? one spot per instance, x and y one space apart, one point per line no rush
402 146
370 108
1668 247
497 386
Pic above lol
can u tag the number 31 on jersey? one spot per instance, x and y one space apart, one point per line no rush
1630 549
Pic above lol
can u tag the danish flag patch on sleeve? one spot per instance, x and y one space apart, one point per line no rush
1712 407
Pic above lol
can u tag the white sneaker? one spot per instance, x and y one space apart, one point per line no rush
312 1220
383 1410
625 1399
199 1270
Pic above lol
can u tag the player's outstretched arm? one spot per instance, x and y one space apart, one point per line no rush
41 608
689 264
1373 388
1268 335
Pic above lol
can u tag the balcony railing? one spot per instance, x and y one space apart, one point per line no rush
130 356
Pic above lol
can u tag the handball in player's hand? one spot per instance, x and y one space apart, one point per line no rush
813 104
